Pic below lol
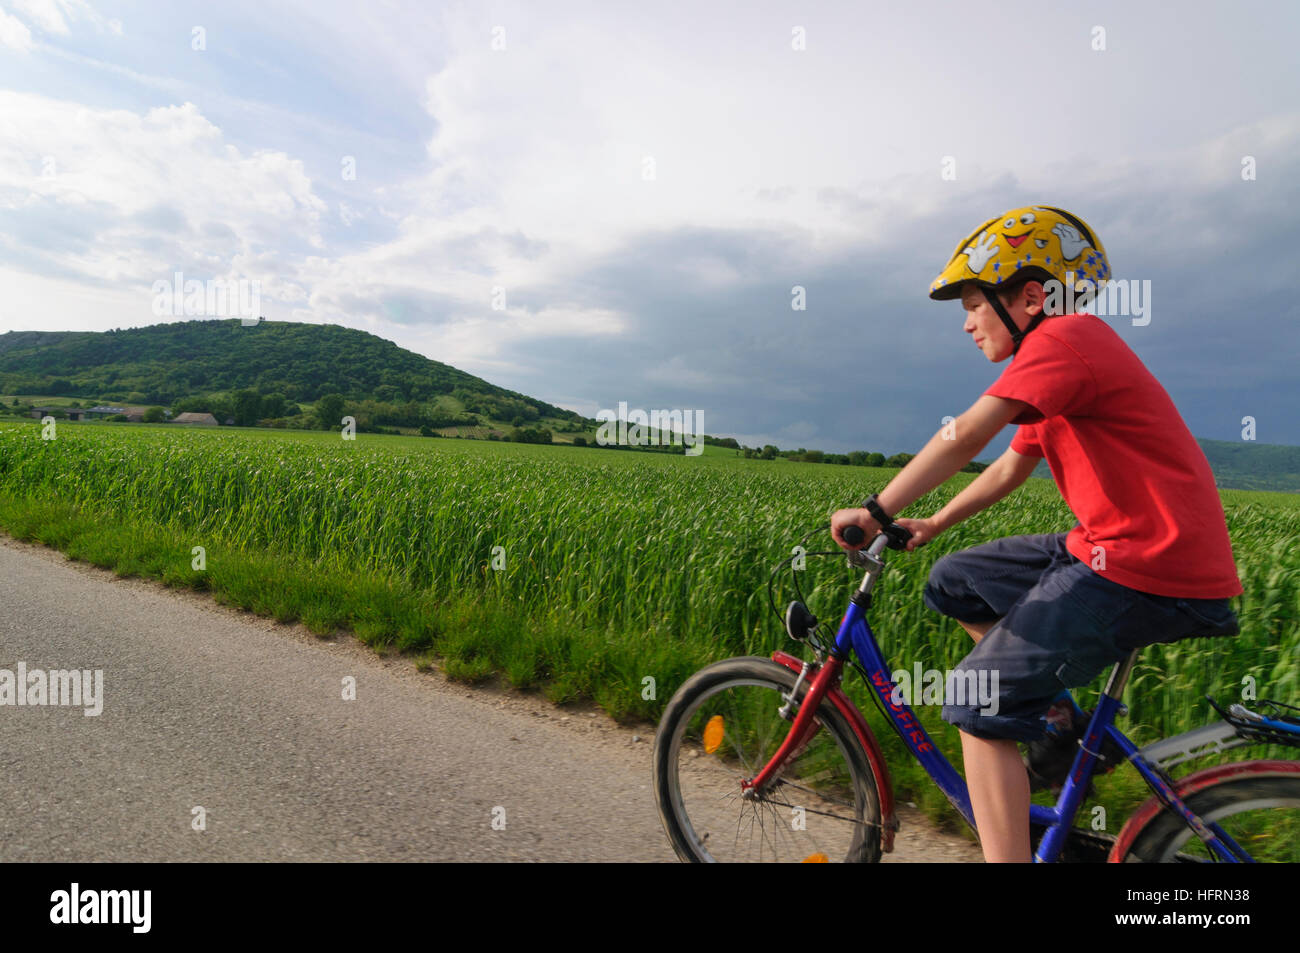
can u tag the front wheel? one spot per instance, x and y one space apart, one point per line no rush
722 726
1262 814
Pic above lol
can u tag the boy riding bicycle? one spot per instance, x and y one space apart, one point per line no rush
1150 559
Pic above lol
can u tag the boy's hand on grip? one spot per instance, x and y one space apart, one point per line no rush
922 531
841 519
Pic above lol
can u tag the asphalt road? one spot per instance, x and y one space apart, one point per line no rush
210 708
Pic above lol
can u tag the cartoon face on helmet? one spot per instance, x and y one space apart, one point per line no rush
1040 240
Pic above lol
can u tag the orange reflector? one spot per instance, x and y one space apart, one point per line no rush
713 732
816 859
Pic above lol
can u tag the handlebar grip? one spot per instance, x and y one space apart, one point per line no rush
898 536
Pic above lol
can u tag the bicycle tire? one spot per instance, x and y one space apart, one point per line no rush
841 815
1270 835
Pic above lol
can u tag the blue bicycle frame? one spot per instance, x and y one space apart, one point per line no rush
855 635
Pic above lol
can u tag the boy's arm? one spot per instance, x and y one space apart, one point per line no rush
1007 472
954 446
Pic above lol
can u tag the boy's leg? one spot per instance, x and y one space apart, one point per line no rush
999 788
976 630
987 581
999 797
1040 625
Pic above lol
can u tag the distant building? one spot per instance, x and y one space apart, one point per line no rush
203 420
74 413
134 414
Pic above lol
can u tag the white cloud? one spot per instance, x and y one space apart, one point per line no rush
34 303
113 195
52 16
13 33
45 14
566 156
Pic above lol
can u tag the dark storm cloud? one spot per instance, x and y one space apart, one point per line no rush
873 364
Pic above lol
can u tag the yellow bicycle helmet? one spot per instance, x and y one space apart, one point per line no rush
1036 241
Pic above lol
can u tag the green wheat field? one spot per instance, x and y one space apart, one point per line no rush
592 575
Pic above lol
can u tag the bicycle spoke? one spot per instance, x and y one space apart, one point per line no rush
809 810
825 797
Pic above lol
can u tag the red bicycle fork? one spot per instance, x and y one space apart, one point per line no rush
825 685
801 732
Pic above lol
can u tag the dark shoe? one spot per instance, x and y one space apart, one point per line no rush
1050 758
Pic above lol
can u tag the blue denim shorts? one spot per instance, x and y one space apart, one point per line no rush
1058 625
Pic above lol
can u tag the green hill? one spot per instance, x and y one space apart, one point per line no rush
1246 465
163 363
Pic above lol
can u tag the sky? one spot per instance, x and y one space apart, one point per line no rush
617 202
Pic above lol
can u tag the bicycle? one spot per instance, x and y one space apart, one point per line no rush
774 758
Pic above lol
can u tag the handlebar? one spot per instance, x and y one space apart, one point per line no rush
898 536
802 624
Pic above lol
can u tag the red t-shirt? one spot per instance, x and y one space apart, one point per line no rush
1125 462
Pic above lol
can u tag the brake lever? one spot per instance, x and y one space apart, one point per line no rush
898 536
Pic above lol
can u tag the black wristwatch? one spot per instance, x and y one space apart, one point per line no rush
878 514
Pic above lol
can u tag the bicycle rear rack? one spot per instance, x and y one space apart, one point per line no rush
1278 724
1197 743
1240 726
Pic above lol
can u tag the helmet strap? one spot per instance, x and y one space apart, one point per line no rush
1017 335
